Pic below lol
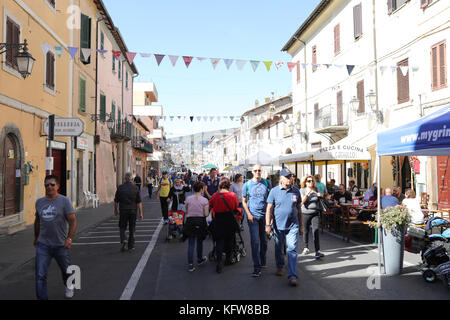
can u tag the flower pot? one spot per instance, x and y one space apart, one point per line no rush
393 249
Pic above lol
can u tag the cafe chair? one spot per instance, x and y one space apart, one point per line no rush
348 223
424 198
88 196
328 220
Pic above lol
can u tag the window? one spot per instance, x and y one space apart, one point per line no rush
316 115
402 83
50 71
52 3
438 66
114 63
360 95
339 110
102 108
85 36
113 111
298 71
357 21
314 58
395 4
337 39
82 95
102 41
425 3
12 36
126 80
120 69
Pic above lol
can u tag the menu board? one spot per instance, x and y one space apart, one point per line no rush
443 175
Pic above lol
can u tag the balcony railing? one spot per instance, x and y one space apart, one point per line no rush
122 130
141 144
329 116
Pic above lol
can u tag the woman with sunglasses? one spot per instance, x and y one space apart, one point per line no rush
310 214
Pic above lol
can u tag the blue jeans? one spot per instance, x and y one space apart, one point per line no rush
289 236
258 241
191 246
44 255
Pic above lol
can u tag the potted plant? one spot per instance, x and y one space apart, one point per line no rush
393 222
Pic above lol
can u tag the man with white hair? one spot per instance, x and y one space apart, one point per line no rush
388 200
128 200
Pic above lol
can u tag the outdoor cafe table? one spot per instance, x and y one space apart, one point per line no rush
349 205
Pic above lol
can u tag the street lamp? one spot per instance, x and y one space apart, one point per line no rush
25 60
354 104
372 97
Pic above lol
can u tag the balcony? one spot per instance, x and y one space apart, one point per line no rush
141 144
330 120
121 131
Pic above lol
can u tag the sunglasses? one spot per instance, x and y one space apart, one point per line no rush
309 181
50 184
257 170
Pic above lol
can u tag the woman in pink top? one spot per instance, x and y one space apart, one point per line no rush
195 228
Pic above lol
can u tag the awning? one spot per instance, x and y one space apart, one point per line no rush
301 158
428 136
262 158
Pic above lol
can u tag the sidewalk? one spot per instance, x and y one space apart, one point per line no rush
17 249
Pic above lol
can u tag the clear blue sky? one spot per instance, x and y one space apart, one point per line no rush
249 29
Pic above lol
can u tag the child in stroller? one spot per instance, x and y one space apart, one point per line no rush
176 221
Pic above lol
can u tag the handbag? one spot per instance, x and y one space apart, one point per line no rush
323 205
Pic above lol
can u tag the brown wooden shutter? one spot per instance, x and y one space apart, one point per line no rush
337 40
9 39
316 115
314 57
50 70
390 6
402 83
434 68
360 91
357 20
423 3
340 113
442 65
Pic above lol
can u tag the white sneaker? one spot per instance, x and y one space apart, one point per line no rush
69 293
305 251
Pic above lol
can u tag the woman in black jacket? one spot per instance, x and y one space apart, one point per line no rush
177 194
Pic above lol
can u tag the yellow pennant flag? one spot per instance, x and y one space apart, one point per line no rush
268 64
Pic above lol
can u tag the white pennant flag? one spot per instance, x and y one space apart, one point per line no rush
45 48
205 118
86 53
404 70
199 118
284 116
211 118
383 69
240 64
215 62
173 59
393 68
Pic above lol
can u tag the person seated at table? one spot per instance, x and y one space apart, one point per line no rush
388 200
354 189
364 215
332 188
413 206
397 192
369 192
340 197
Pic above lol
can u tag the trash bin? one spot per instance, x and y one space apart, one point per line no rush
393 250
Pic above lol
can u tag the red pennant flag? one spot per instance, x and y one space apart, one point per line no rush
116 54
187 60
291 65
131 56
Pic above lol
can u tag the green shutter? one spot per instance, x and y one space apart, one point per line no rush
102 41
126 82
102 108
85 35
113 111
114 63
120 69
82 95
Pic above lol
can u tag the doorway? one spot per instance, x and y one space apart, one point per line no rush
59 169
9 179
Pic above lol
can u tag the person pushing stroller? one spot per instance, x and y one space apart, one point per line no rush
177 195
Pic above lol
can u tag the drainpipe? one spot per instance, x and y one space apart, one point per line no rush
72 139
306 89
379 121
96 103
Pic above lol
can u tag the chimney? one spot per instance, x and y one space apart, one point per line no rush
256 103
267 100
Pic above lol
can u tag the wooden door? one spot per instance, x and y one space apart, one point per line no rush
8 195
59 169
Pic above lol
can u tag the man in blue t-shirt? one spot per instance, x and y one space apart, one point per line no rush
388 200
212 183
254 202
285 201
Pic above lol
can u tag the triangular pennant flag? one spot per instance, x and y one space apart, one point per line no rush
102 52
415 69
145 55
199 118
327 65
254 64
59 51
86 53
187 60
228 63
383 69
268 64
173 59
279 65
73 51
240 64
201 59
116 54
339 66
205 118
159 58
171 118
404 70
184 118
231 118
350 68
131 56
211 118
214 62
192 118
45 48
291 65
304 65
314 65
158 118
284 116
393 68
179 117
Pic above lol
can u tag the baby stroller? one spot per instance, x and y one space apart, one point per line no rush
176 222
237 246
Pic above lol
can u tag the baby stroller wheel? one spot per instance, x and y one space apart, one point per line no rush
429 276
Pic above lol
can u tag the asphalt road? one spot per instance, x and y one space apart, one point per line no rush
157 270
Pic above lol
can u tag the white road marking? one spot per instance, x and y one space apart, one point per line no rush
132 283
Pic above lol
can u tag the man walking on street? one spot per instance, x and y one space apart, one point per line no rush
212 183
54 228
127 200
254 202
285 201
162 194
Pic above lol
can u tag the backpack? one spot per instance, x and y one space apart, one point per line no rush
247 187
170 182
